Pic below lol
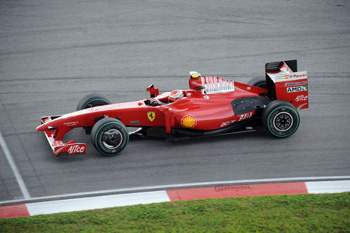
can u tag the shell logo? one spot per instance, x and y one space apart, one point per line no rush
188 121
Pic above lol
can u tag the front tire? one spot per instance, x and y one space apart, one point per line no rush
109 136
280 118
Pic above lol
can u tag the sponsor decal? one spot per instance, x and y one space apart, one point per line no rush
301 98
294 76
134 122
151 116
245 116
76 149
233 187
73 123
296 89
213 84
283 77
188 121
57 143
227 123
295 84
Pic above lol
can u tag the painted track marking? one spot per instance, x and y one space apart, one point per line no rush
14 168
106 201
100 202
328 186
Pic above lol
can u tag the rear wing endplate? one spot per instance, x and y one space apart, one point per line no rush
284 82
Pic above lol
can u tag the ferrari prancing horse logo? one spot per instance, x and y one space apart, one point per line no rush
151 116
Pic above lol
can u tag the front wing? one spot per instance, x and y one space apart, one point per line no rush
58 147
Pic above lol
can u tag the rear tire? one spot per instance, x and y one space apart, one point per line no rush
280 118
109 136
258 82
92 100
89 101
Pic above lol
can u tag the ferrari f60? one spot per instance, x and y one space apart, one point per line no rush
211 106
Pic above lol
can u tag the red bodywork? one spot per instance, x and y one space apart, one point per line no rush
207 106
196 110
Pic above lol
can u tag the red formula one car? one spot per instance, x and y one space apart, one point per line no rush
212 106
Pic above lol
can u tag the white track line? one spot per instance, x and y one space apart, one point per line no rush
328 186
14 168
100 202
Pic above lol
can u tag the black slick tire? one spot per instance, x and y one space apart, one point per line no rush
258 82
89 101
280 118
92 100
109 136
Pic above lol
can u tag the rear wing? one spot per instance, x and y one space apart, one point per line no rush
284 82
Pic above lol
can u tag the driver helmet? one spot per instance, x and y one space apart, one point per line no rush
176 94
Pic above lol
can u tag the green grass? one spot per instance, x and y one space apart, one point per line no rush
286 213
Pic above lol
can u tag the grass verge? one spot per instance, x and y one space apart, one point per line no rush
287 213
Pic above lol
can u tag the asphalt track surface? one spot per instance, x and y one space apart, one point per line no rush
54 52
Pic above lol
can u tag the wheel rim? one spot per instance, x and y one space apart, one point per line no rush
283 121
112 139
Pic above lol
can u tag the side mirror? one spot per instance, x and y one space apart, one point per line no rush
152 91
199 88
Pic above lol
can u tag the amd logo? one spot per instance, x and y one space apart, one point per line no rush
296 89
